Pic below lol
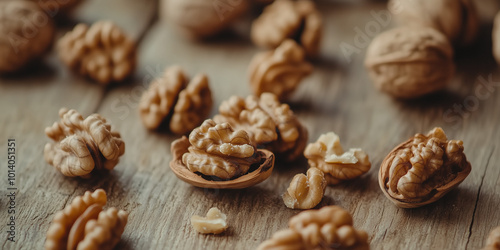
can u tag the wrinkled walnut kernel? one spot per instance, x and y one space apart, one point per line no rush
85 225
279 71
102 52
493 241
305 192
187 103
423 169
82 146
213 223
327 155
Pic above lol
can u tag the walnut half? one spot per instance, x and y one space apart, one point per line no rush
423 169
305 192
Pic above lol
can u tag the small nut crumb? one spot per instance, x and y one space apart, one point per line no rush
18 46
423 169
85 225
82 146
305 192
327 155
279 71
102 52
187 103
493 241
213 223
330 227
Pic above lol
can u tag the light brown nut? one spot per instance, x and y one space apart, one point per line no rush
102 52
279 71
496 38
410 62
330 227
327 155
56 7
456 19
218 151
423 169
85 225
289 19
172 100
305 192
493 241
26 32
82 146
213 223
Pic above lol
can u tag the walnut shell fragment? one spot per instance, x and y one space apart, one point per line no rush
279 71
410 62
213 223
305 192
493 241
84 224
284 19
26 32
327 155
330 227
172 100
102 52
423 169
269 123
82 146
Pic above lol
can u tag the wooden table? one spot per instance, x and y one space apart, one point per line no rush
338 97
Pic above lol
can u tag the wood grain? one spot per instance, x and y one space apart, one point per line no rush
338 97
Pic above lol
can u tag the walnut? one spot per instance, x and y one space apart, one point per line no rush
102 52
285 19
493 241
279 71
213 223
188 104
82 146
423 169
410 62
268 122
496 38
305 192
26 32
327 155
201 18
85 225
330 227
456 19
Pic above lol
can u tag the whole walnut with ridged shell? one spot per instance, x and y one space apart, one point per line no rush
82 146
410 62
423 169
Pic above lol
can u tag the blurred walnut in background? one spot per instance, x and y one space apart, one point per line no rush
54 7
493 241
26 32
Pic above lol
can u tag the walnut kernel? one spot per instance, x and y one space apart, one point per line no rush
493 241
213 223
305 192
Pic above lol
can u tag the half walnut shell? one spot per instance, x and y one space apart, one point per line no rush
423 169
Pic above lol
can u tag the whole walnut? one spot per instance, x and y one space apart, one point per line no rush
26 32
201 18
496 38
410 62
423 169
456 19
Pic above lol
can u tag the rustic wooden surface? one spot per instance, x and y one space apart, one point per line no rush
338 97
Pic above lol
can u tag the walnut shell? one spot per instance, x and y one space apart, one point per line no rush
456 19
305 192
496 38
423 169
82 146
410 62
26 32
279 71
493 241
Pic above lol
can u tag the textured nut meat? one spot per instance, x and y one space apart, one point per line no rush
423 169
217 150
279 71
410 62
26 32
213 223
456 19
493 241
85 225
82 146
187 104
305 192
285 19
330 227
496 38
102 52
327 155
